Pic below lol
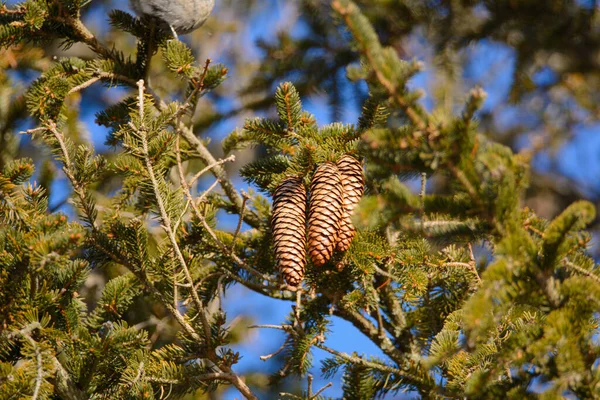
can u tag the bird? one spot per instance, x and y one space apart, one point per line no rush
181 16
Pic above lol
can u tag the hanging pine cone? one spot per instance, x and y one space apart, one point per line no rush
288 223
325 212
353 183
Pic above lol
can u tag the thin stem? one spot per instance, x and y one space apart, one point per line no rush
239 225
422 198
279 350
391 87
167 225
209 167
581 270
473 264
25 334
186 188
362 361
330 384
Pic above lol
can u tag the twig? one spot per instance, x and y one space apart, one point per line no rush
279 350
391 87
473 264
166 220
231 158
219 173
386 274
85 84
422 198
581 270
240 221
330 384
25 333
285 328
85 35
362 361
242 264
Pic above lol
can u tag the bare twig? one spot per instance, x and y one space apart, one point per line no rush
279 350
422 198
285 328
330 384
231 158
473 264
219 172
240 221
186 188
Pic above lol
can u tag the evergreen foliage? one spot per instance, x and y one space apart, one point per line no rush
448 325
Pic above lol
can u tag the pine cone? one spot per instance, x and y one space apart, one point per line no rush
354 187
288 223
325 212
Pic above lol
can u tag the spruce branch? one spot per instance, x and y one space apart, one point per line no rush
166 220
219 172
25 334
361 361
370 331
69 170
227 251
118 258
581 270
84 35
349 13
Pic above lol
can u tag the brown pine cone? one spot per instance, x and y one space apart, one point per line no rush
288 223
325 212
353 182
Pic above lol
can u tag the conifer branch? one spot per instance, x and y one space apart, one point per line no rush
84 35
361 361
581 270
38 360
229 252
368 50
65 386
166 220
371 331
219 173
173 310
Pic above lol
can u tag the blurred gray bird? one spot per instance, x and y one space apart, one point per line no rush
182 16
